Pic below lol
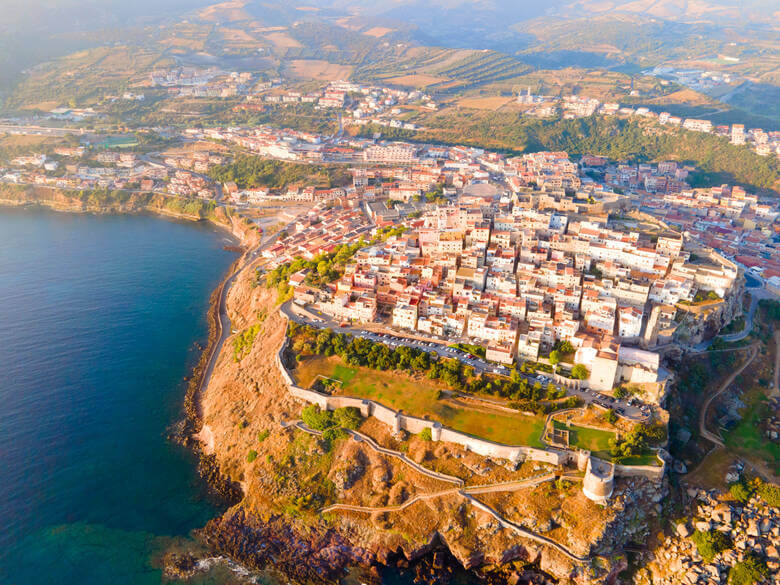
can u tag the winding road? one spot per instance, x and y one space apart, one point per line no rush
223 321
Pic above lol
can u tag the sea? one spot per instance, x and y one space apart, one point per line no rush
100 322
102 318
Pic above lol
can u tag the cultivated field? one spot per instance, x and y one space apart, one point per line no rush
494 102
320 70
416 80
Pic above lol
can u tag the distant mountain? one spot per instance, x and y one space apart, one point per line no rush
714 11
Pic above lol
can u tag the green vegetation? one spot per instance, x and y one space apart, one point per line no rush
426 435
770 493
735 326
636 442
744 490
748 435
321 420
324 268
770 308
595 440
249 172
702 297
580 372
263 435
717 160
251 456
348 417
475 350
610 416
331 423
752 569
740 492
423 399
358 351
710 543
243 341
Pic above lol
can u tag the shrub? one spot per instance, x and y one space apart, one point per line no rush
710 543
333 433
750 570
251 456
263 435
770 493
620 392
740 492
348 417
610 416
426 435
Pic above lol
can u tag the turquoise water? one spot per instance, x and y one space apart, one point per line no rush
99 317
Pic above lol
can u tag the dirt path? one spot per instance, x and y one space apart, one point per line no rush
507 486
361 438
468 495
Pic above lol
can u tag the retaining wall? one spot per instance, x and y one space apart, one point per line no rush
647 471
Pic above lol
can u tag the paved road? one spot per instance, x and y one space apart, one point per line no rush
223 322
315 318
756 294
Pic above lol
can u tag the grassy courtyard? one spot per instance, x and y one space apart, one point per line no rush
594 440
421 397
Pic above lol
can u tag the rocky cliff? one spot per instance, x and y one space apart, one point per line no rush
287 476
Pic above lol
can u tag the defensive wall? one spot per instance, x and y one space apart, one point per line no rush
399 421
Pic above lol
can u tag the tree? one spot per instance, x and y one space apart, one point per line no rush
317 419
610 416
426 435
564 347
580 372
348 417
555 357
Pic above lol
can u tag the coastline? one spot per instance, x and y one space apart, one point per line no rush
186 430
239 532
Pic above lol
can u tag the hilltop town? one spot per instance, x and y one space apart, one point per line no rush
422 327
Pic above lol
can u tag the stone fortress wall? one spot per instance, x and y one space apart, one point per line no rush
599 475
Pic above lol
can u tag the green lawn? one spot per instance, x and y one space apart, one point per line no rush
420 398
647 459
748 437
594 440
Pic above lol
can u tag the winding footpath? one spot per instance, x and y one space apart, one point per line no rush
467 493
705 408
360 437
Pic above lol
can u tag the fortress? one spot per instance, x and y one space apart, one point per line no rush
598 482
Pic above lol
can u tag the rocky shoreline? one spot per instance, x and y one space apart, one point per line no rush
309 552
315 553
